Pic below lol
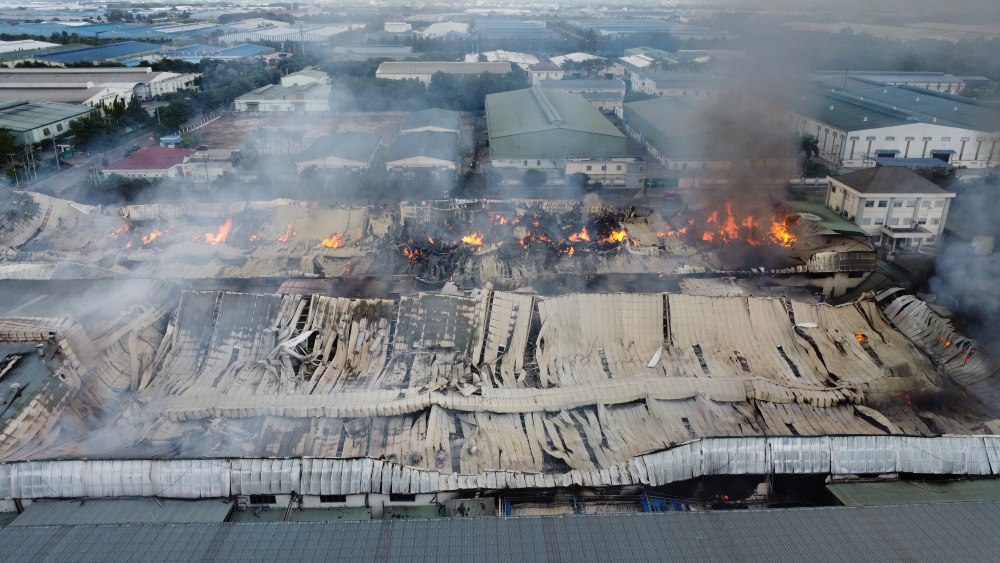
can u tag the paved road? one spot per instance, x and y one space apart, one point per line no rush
81 165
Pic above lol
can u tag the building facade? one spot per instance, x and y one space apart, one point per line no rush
423 71
897 207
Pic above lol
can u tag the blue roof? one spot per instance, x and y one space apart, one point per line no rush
912 162
104 52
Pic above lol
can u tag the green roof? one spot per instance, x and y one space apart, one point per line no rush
914 492
537 123
828 218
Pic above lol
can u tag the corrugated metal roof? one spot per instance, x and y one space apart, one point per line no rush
433 117
124 511
413 67
890 180
25 115
937 532
104 52
915 492
437 145
539 123
357 146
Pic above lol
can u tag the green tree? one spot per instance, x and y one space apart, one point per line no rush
7 144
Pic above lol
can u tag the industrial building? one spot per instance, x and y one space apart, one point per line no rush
423 71
427 150
605 95
558 134
91 86
34 121
247 51
153 162
349 150
307 90
860 120
115 52
900 209
937 81
488 29
686 84
432 119
692 138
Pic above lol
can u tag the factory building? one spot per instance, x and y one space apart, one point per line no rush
423 71
559 134
34 121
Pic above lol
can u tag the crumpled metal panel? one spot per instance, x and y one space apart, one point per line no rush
264 476
863 454
5 482
47 479
118 478
799 456
676 464
992 446
734 456
957 455
191 478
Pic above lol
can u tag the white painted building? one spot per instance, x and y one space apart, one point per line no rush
423 71
307 90
898 208
868 121
937 81
691 84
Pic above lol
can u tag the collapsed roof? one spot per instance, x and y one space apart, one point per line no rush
497 381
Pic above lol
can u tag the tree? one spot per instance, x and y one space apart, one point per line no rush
7 144
174 114
809 145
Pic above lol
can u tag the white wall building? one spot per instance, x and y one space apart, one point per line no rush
898 208
692 84
868 121
423 71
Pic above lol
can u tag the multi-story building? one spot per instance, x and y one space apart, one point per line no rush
898 208
307 90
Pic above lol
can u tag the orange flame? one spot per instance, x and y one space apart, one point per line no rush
707 236
780 234
861 338
222 234
617 235
581 236
335 241
289 233
115 233
430 240
253 237
129 245
499 219
146 239
411 253
475 239
572 251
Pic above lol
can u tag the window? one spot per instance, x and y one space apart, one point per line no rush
879 221
894 221
883 203
922 221
897 204
589 168
618 168
866 221
400 497
939 203
333 498
936 221
604 168
925 203
945 139
930 240
46 132
59 127
890 138
833 189
538 163
870 203
911 202
263 499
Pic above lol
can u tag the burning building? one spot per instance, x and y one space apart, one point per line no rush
429 396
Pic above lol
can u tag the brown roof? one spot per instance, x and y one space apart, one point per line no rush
152 158
889 180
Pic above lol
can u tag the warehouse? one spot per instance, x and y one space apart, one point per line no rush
693 140
860 120
350 150
115 52
432 119
558 134
91 86
34 121
423 71
428 150
307 90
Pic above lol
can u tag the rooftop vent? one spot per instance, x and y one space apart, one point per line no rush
831 106
865 118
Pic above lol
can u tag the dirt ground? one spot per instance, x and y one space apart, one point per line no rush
233 131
